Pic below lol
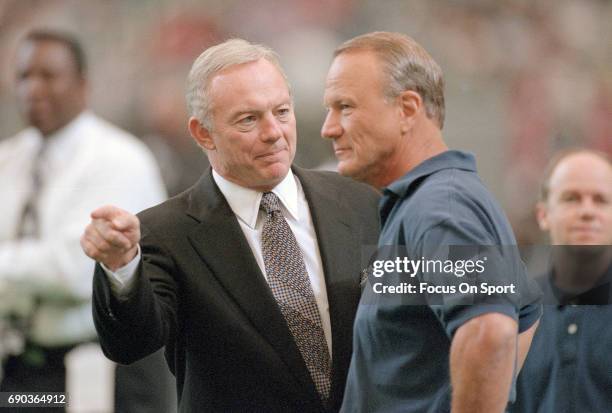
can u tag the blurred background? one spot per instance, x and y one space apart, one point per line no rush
524 78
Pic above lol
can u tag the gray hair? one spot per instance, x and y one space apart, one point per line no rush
407 65
215 59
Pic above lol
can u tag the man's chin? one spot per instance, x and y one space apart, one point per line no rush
276 172
43 125
346 169
350 170
588 240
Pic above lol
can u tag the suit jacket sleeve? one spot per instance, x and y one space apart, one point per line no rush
141 322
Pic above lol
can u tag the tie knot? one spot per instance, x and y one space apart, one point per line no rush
269 203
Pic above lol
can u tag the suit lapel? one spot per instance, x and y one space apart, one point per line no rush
221 244
339 245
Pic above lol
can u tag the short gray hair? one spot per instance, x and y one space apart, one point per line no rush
215 59
407 65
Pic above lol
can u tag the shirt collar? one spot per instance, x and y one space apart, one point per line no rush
600 294
244 202
400 188
450 159
59 144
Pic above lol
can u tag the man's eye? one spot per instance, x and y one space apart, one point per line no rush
247 119
601 199
569 198
283 113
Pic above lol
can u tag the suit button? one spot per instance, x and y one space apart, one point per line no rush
572 329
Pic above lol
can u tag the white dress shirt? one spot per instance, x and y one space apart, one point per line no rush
244 203
86 164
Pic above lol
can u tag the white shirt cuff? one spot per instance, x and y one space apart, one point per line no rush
122 279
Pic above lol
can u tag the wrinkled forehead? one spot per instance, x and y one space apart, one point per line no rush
354 71
349 63
255 85
247 76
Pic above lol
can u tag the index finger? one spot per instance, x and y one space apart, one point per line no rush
107 212
125 221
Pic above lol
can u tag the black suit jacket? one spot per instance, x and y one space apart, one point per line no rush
200 292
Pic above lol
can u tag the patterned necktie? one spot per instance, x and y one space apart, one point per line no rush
291 288
29 225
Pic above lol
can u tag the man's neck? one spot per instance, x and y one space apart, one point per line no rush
50 134
413 151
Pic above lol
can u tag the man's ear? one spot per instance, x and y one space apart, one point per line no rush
410 105
200 134
542 215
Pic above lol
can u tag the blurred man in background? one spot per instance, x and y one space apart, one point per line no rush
52 174
385 100
569 368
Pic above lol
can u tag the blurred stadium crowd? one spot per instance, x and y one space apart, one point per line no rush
524 78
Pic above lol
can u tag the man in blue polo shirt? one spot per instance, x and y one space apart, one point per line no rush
569 369
385 101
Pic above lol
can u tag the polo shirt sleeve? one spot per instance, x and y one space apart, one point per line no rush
455 242
528 315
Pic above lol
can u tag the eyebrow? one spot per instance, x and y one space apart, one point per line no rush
245 111
337 99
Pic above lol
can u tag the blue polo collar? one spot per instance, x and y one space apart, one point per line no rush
401 187
450 159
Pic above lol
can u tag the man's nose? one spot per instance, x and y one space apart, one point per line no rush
331 128
271 128
588 209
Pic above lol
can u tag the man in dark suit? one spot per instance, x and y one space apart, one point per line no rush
251 277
